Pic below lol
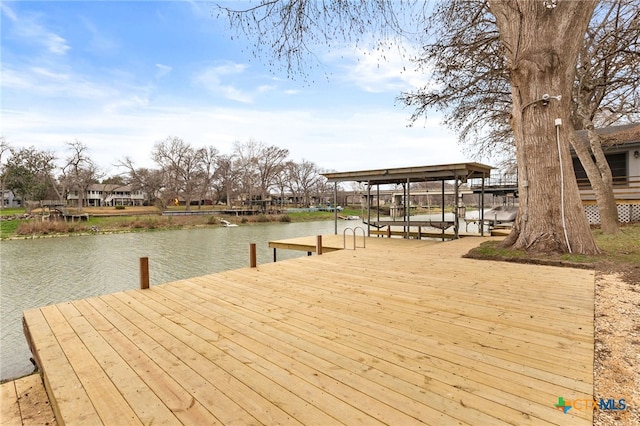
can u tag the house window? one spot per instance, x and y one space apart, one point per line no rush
617 164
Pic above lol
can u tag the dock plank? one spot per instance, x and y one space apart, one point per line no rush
24 402
109 403
257 335
9 406
56 368
399 332
169 390
352 330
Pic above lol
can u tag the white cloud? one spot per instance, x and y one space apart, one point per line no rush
333 139
30 30
41 81
99 41
378 70
211 79
163 70
8 12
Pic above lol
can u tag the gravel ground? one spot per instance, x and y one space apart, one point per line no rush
617 347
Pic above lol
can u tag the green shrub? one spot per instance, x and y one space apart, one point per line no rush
119 207
285 218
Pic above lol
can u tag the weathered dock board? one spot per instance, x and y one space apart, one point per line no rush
24 402
400 332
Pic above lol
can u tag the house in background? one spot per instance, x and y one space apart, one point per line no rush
621 145
9 199
108 195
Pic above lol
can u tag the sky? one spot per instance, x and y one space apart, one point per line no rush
121 76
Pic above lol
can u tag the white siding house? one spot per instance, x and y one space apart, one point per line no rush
622 149
10 200
108 195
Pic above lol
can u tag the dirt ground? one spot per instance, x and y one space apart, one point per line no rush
617 347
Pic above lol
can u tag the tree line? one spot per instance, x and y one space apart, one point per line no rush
252 171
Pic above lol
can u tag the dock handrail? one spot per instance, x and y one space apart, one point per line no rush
344 237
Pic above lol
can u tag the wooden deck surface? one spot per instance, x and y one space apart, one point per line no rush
24 402
401 332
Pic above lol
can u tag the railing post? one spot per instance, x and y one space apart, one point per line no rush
252 255
144 273
319 244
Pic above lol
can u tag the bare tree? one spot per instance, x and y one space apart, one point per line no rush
5 148
303 177
470 84
226 178
270 161
148 181
607 90
322 187
208 161
79 171
468 81
282 180
541 41
245 161
180 165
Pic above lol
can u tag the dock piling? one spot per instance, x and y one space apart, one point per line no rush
252 255
144 273
319 244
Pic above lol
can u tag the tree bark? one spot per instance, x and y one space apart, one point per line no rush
601 180
542 45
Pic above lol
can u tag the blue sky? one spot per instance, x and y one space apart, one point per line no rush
120 76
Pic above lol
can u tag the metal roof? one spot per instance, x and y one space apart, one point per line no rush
462 171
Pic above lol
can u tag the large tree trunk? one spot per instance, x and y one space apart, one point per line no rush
542 45
599 174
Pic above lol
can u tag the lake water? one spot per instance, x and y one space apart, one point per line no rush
45 271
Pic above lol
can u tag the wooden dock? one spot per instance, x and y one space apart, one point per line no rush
400 332
24 402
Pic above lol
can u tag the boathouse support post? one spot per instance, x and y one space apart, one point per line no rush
456 219
335 208
408 209
368 208
252 255
482 206
319 245
144 273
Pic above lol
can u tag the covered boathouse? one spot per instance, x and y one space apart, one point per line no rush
458 173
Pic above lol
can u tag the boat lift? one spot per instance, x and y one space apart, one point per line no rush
459 173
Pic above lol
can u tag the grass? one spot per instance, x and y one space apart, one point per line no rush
11 211
8 227
620 253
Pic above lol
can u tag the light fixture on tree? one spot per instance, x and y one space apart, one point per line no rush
550 4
